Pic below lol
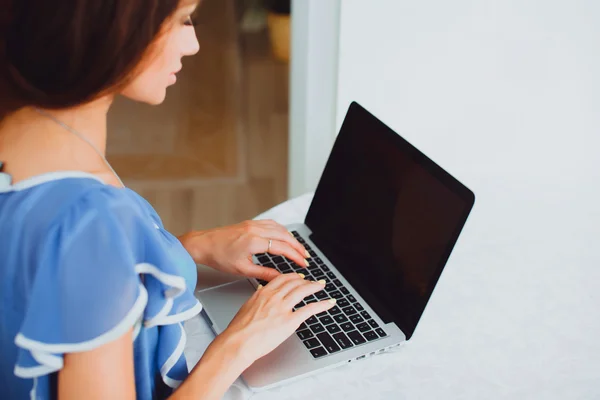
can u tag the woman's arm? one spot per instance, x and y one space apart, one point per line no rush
221 364
263 322
106 372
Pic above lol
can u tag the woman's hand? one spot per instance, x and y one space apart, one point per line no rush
262 324
267 319
230 249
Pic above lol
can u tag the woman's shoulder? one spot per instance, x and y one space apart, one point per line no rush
67 204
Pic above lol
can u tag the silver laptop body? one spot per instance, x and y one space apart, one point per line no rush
412 209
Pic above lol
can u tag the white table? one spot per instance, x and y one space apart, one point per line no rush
514 316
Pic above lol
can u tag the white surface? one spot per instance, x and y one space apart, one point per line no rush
514 316
313 93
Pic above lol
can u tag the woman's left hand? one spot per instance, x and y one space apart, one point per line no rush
230 249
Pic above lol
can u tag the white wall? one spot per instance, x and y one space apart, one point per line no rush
505 95
313 94
483 87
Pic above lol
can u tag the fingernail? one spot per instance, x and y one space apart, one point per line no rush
292 235
332 301
307 254
259 287
322 281
301 276
306 262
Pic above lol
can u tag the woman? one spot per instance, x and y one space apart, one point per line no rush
94 290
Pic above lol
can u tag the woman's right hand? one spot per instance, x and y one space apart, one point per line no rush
267 319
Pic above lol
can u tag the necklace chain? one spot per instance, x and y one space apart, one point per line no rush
82 137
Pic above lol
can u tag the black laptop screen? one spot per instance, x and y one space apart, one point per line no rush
387 217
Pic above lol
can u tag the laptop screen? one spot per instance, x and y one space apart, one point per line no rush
387 217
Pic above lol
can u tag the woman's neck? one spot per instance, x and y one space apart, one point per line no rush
32 144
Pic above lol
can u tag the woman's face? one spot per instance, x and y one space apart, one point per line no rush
178 40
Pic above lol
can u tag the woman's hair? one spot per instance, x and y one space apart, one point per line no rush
62 53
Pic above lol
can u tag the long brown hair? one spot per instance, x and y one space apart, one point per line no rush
62 53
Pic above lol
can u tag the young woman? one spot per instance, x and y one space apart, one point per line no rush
93 290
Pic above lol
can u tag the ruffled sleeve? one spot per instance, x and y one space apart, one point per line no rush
94 281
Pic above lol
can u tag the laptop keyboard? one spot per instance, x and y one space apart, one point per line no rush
345 325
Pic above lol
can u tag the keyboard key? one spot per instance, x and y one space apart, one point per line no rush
278 259
313 267
309 297
370 335
299 305
356 337
300 240
337 282
325 268
312 320
343 303
269 264
331 275
326 320
351 298
305 334
363 327
347 327
311 301
345 291
312 253
295 233
334 310
357 319
321 295
316 328
328 342
336 294
263 259
340 318
333 328
310 278
358 307
343 340
302 327
349 310
322 314
373 324
365 315
380 332
318 274
310 343
318 352
318 260
285 268
330 287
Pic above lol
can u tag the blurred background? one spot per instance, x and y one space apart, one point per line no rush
497 93
216 152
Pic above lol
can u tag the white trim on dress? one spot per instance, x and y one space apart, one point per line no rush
47 177
172 360
44 353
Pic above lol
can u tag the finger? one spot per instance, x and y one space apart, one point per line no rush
284 249
304 313
259 272
280 281
297 293
273 230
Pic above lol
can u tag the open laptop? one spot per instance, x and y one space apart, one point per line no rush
380 229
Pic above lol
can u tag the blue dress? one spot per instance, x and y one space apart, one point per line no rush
81 263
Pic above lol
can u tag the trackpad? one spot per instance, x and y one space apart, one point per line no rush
222 303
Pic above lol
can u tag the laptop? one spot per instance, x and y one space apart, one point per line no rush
380 229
